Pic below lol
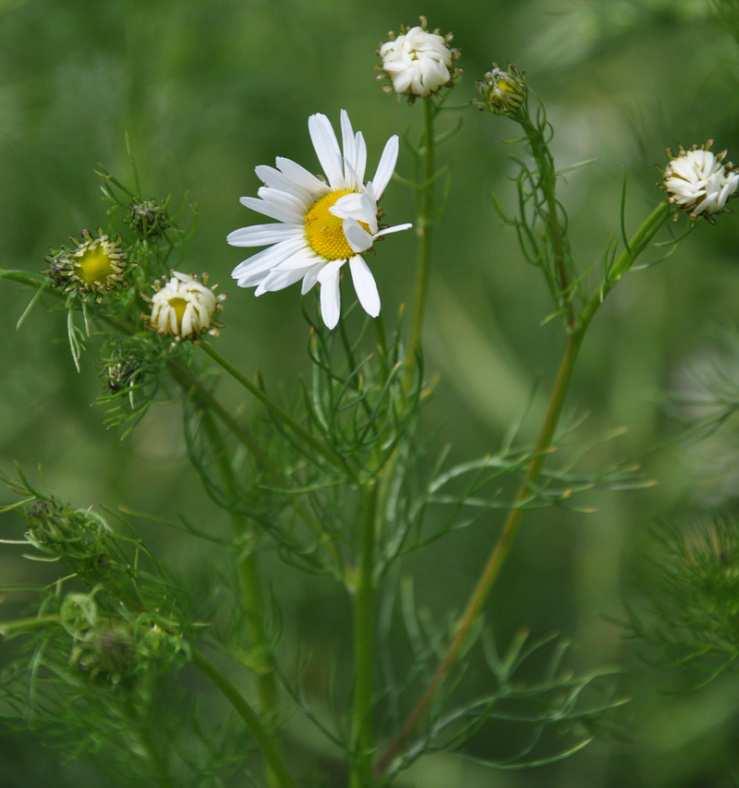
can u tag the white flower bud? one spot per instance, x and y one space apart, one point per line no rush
184 307
418 62
699 182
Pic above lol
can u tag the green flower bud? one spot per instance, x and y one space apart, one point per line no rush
502 91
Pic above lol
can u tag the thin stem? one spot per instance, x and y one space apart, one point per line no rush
424 222
189 383
364 647
273 472
281 414
381 343
156 759
8 628
252 598
555 231
254 725
502 548
180 373
637 244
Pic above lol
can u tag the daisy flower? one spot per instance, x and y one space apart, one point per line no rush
417 61
184 307
699 182
321 225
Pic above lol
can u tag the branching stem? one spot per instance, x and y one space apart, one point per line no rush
253 604
502 547
555 231
280 413
251 719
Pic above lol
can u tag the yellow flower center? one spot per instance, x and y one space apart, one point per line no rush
179 305
95 265
324 231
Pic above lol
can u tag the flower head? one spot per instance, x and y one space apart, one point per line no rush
98 262
94 265
184 307
699 182
149 218
321 225
502 90
419 62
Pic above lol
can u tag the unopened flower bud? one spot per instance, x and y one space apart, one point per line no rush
699 182
502 91
184 307
149 218
419 62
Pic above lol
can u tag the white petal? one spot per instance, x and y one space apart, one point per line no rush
310 278
263 234
266 259
328 277
327 149
359 206
357 237
301 176
365 286
361 157
272 210
278 180
302 259
279 280
349 150
284 200
386 167
396 228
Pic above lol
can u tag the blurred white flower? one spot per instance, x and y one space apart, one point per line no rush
418 62
320 225
699 182
184 307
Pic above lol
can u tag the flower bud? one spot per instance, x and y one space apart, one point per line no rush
184 307
149 218
699 182
95 264
502 91
418 62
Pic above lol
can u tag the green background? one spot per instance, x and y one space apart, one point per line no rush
207 91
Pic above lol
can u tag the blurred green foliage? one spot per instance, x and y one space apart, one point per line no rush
208 90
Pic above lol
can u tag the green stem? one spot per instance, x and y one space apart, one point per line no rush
262 737
189 383
623 263
180 373
381 344
555 231
424 222
281 414
157 760
9 628
364 647
502 548
252 600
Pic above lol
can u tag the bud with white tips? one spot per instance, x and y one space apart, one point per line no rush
699 181
419 62
185 307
